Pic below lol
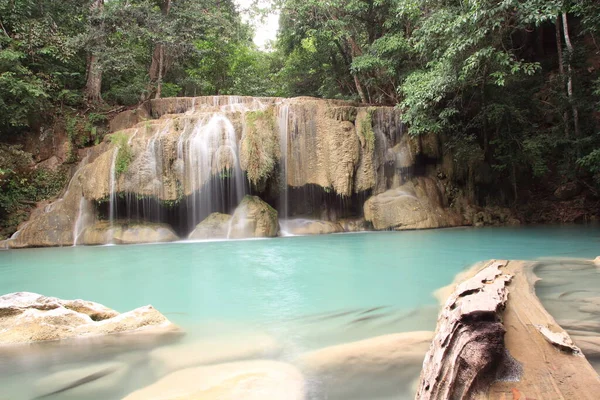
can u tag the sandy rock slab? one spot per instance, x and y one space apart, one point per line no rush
371 368
246 380
30 317
213 351
215 226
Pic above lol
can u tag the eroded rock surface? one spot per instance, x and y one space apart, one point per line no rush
254 218
30 317
469 340
248 380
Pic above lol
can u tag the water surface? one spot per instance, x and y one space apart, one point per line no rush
306 292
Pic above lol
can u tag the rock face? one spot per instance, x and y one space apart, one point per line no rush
248 380
388 364
127 233
310 227
215 226
254 218
29 317
469 339
418 204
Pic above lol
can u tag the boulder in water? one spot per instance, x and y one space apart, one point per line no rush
418 204
127 233
254 218
248 380
386 364
30 317
310 227
215 226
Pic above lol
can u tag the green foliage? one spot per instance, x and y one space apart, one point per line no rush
21 187
124 154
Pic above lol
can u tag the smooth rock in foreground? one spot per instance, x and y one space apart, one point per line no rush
247 380
171 358
387 364
215 226
254 218
29 317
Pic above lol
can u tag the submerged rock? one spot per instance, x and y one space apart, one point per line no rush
418 204
254 218
248 380
214 351
386 364
30 317
310 227
127 233
77 381
215 226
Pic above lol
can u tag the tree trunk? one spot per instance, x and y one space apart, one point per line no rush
157 67
93 87
359 89
561 69
570 72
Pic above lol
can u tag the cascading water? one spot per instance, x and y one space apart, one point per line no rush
209 152
283 122
113 190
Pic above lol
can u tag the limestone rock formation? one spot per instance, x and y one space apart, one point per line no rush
254 218
29 317
103 232
469 339
310 227
214 351
248 380
215 226
418 204
386 364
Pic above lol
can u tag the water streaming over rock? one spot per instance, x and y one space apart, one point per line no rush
186 158
283 125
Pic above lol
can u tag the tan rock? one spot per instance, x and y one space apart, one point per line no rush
215 226
213 351
310 227
127 233
388 364
353 224
418 204
254 218
248 380
29 317
128 119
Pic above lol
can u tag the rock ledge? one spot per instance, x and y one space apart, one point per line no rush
29 317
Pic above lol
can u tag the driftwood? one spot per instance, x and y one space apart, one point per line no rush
469 342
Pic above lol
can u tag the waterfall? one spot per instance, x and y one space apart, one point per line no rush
83 217
283 122
211 167
113 191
